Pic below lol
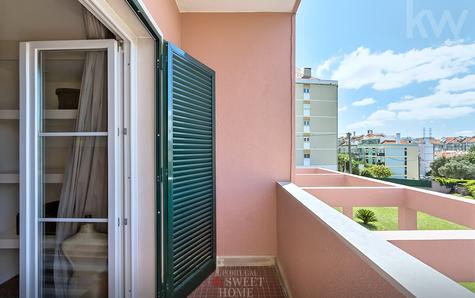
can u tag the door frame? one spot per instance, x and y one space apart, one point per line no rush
132 24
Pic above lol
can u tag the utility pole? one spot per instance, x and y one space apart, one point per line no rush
348 135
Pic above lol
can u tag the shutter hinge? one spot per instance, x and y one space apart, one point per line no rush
125 221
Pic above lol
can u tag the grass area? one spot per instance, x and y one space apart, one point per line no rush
387 220
469 285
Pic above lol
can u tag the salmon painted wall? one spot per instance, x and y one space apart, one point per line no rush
252 56
168 18
317 262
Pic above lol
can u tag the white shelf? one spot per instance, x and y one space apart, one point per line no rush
9 241
9 114
60 114
9 178
49 114
12 178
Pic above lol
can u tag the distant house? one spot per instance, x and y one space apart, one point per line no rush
400 155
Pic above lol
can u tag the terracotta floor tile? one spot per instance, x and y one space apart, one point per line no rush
227 282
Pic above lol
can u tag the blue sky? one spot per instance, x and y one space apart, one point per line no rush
401 64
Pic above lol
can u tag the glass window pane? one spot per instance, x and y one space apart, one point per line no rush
74 259
73 79
74 177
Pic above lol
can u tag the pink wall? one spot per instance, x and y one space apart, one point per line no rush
359 197
168 18
316 262
461 211
332 179
251 54
452 257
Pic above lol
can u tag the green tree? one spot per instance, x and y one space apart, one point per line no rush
458 169
436 165
344 161
470 156
379 171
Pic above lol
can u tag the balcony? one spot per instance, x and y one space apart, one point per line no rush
323 252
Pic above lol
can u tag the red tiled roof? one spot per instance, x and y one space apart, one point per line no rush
394 142
469 140
449 140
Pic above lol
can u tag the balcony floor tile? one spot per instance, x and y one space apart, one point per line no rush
261 282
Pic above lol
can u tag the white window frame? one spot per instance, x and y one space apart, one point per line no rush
29 160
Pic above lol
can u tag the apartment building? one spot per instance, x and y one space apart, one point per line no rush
400 156
457 143
316 127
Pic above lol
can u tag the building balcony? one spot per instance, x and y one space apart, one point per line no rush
322 252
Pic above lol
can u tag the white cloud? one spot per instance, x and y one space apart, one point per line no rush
435 113
364 102
324 69
375 119
467 132
438 99
342 109
389 70
457 84
441 105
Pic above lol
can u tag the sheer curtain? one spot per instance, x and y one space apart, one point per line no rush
84 188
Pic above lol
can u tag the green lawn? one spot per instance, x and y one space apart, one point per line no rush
387 220
469 285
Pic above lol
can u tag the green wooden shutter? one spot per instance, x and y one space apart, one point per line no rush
189 182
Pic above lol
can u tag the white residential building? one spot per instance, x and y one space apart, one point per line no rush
316 121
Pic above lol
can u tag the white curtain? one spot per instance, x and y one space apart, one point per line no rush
84 188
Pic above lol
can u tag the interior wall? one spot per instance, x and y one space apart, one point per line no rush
41 20
252 56
23 20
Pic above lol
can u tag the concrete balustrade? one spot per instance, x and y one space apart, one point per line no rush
359 196
449 252
448 207
407 218
322 253
348 191
334 179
